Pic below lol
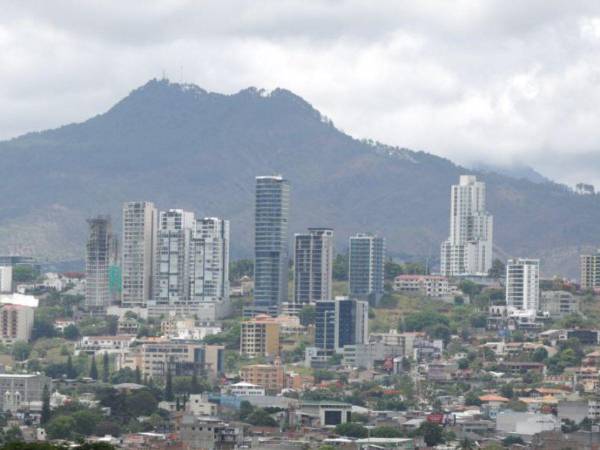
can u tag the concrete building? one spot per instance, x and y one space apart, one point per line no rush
156 356
269 376
209 272
5 279
325 413
523 284
313 265
245 389
98 345
590 270
260 337
428 285
172 260
19 391
341 322
139 240
526 423
558 304
209 433
16 323
371 354
366 267
468 249
97 263
271 243
198 405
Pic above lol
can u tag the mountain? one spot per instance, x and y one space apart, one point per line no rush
514 171
183 147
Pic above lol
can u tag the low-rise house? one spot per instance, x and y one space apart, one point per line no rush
208 433
244 389
435 286
270 376
526 423
325 413
94 345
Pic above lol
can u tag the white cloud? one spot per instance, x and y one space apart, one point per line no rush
468 80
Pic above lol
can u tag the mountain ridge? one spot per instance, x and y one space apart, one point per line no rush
182 146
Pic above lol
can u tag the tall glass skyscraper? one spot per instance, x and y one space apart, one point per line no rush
271 242
367 257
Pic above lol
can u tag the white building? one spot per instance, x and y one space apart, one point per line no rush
21 392
172 271
139 240
5 279
104 344
558 304
198 405
468 249
16 323
523 284
243 389
313 265
428 285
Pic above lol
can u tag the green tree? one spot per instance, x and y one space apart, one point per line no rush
307 315
60 427
24 274
387 432
261 418
71 332
169 386
70 372
21 350
340 267
93 368
507 391
138 375
105 368
240 268
351 429
498 269
512 440
13 436
432 433
540 354
45 416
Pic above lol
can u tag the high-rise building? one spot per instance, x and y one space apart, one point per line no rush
468 250
313 265
271 242
16 323
366 267
139 240
259 336
97 263
523 284
590 271
6 274
210 261
172 259
341 322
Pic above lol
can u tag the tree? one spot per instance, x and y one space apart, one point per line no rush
45 416
540 354
169 386
517 405
60 427
261 418
138 375
42 327
71 332
466 444
432 433
511 440
21 350
351 429
13 435
24 274
307 315
387 432
507 391
240 268
105 368
340 267
498 269
472 399
93 368
71 372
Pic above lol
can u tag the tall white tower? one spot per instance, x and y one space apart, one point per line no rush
468 250
523 284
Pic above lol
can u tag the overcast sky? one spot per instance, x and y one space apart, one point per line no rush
495 81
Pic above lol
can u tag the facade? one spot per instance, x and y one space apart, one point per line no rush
428 285
18 391
468 249
590 271
97 263
245 389
313 265
155 357
208 433
523 284
260 337
341 322
271 377
5 279
16 323
209 280
139 240
172 261
98 345
366 267
558 304
271 242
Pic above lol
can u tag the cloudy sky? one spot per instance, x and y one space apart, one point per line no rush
475 81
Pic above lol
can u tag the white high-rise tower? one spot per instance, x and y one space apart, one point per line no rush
468 250
523 284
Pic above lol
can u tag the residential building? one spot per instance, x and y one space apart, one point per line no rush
172 260
325 413
468 249
558 304
139 240
366 267
16 323
209 433
5 279
245 389
269 376
209 272
271 242
590 270
371 354
526 423
523 284
260 337
198 405
428 285
341 322
182 328
18 392
97 263
98 345
313 265
156 356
